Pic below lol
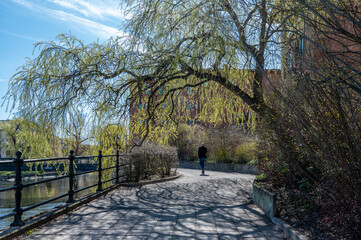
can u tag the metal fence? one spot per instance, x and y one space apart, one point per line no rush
19 186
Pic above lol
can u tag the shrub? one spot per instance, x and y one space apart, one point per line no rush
315 150
245 152
187 141
222 156
150 160
261 177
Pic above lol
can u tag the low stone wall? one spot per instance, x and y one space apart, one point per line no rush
223 167
265 200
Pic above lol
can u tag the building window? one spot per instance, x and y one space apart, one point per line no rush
189 90
141 122
300 46
289 60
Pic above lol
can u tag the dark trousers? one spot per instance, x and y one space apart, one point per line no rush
201 162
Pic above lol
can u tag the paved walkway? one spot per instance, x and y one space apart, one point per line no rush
192 207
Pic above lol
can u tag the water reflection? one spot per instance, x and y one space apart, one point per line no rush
41 192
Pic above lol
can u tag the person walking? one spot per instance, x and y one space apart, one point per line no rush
202 155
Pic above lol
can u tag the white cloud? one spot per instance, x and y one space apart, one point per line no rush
96 28
3 80
22 36
25 3
88 9
96 9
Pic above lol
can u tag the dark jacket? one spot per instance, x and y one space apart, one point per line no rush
202 152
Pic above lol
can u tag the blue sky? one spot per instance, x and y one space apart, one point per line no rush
25 22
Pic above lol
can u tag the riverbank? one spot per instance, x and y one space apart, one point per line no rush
30 175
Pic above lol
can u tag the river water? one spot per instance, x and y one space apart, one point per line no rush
41 192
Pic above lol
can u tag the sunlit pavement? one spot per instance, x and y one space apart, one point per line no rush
214 206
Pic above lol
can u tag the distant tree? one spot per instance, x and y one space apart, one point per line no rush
77 131
113 137
34 140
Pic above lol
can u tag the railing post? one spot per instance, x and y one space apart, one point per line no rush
19 187
71 177
117 168
99 189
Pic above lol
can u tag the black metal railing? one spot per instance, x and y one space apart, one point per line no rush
19 186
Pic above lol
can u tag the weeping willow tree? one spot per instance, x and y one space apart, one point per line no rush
219 49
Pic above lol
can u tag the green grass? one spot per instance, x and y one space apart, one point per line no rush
261 177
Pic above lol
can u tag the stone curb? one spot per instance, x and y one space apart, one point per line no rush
265 200
221 167
288 230
137 184
46 217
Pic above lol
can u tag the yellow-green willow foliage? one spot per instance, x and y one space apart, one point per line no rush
112 138
213 104
32 139
220 107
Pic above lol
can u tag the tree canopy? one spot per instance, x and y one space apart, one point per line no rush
171 46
